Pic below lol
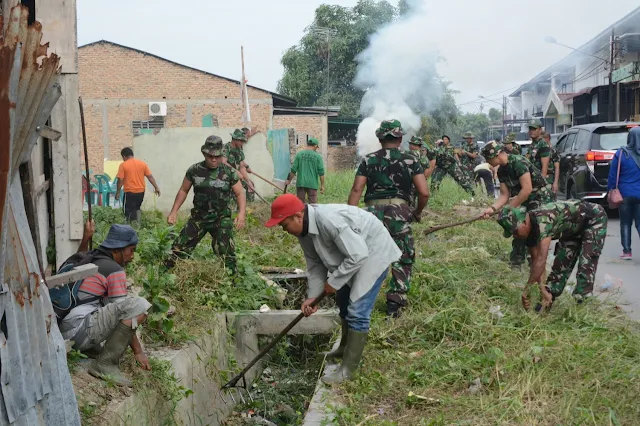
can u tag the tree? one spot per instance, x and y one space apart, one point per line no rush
478 124
442 119
305 65
495 115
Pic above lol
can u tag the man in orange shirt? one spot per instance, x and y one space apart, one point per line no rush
131 174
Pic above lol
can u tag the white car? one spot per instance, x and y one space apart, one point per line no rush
524 146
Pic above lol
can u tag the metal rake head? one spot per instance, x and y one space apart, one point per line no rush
237 385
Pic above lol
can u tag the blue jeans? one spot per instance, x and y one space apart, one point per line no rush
629 212
358 313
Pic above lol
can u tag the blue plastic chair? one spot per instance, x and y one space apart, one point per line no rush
105 188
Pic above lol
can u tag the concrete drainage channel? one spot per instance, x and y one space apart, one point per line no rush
232 341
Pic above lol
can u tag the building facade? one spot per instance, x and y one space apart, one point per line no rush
575 90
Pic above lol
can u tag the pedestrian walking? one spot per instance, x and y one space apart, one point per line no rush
624 174
131 174
580 228
389 175
213 184
348 252
308 165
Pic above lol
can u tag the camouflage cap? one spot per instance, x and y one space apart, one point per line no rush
491 150
510 218
468 135
212 146
390 128
312 142
535 124
416 140
239 135
511 138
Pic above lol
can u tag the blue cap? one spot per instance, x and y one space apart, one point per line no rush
119 237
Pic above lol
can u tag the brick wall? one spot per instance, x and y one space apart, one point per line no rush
304 124
341 157
117 84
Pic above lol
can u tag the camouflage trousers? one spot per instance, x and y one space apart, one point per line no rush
221 231
519 247
456 173
397 219
584 251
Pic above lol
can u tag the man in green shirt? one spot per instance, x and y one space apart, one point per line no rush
308 165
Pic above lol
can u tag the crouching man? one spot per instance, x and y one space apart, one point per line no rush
580 228
103 311
348 252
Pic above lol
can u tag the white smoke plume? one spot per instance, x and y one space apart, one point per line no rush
398 73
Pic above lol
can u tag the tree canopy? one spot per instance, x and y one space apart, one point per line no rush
305 65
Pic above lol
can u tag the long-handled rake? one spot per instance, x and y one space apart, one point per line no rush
239 382
451 225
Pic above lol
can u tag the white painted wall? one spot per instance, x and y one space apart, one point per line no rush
170 152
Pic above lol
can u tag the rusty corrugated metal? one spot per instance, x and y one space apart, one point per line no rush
35 385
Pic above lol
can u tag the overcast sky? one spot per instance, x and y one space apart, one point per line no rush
489 46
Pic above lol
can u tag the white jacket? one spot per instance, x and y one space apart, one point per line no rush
346 246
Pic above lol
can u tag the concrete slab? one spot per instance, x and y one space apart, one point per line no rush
324 321
319 413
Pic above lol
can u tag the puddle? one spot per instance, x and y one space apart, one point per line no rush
282 393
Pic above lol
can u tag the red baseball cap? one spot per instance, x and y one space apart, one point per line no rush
283 207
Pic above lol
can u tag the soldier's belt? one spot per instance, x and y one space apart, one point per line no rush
386 202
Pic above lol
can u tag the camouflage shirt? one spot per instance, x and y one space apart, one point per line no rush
466 161
422 158
445 156
212 189
517 167
389 174
561 220
539 150
234 156
553 159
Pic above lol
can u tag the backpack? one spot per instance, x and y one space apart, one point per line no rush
64 298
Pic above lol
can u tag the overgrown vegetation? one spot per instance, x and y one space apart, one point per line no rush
452 358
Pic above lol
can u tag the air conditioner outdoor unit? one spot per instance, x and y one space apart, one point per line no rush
157 109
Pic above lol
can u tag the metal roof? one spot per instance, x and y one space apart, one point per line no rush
283 98
35 385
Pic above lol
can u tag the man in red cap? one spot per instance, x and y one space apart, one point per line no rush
348 252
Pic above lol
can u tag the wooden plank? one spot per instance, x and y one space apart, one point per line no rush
41 189
29 196
49 133
82 271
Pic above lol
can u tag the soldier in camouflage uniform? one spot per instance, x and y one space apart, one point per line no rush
415 147
540 153
388 175
580 228
521 184
510 144
214 183
468 155
429 150
447 164
233 154
554 164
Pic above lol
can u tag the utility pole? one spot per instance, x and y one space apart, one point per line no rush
504 117
328 34
612 47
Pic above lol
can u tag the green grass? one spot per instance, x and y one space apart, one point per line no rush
578 364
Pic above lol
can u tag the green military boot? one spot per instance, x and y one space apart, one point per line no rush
339 351
351 359
106 365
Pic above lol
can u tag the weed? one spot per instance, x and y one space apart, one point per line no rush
155 284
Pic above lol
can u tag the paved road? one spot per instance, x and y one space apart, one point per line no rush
627 270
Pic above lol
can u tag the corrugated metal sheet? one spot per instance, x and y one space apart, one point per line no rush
35 384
